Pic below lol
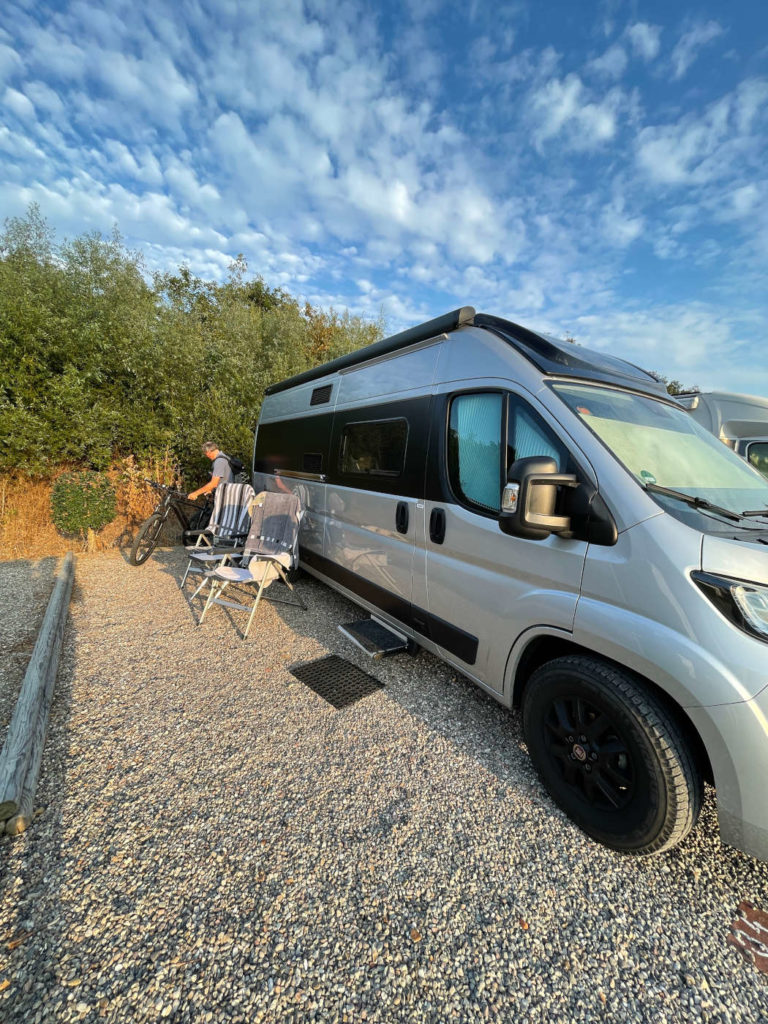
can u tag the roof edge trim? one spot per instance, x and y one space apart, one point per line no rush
412 336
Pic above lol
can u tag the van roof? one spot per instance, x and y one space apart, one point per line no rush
550 355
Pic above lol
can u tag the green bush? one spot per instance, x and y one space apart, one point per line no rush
82 501
98 362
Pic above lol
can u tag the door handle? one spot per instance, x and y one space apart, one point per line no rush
437 525
401 517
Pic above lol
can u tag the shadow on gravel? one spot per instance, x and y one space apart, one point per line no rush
454 708
286 856
170 538
174 563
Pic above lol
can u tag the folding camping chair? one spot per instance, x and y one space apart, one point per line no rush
271 551
228 525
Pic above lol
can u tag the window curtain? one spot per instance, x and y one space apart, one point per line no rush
530 439
477 422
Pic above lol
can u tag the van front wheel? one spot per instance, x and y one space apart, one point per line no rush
611 755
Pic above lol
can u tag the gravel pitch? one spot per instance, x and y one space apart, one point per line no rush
216 842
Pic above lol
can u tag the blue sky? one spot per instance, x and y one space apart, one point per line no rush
598 170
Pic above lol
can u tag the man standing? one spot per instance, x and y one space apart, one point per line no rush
221 471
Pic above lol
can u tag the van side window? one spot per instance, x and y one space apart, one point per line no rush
376 447
474 449
528 435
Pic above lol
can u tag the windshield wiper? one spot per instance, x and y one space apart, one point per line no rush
757 512
692 499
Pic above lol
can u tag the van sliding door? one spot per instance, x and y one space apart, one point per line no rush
374 506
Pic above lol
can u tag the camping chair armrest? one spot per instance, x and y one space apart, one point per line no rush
202 536
274 558
220 549
233 553
208 537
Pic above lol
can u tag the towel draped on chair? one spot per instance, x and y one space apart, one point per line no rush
229 524
270 550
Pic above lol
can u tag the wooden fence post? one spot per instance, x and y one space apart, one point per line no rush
22 754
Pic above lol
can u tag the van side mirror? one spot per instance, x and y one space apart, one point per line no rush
528 500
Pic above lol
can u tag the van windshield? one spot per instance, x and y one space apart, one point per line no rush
662 445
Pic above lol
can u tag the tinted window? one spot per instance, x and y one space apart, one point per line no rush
375 448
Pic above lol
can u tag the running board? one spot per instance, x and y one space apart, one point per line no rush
374 638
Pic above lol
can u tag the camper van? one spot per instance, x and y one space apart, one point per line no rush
547 520
740 421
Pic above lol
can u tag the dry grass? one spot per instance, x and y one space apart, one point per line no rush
26 527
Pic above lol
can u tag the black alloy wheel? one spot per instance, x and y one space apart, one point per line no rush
145 541
611 755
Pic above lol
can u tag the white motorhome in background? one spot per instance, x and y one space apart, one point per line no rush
740 421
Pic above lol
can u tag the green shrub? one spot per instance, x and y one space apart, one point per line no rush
82 501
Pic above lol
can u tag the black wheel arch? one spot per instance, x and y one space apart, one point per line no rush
543 649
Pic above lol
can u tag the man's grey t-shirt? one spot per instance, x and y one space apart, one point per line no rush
222 468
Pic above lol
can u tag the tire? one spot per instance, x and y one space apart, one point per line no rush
145 541
611 755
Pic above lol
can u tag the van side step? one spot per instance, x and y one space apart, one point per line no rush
374 638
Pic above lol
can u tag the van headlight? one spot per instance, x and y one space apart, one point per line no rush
745 604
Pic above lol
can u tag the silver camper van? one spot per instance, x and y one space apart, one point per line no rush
740 421
550 522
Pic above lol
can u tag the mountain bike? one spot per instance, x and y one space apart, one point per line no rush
190 515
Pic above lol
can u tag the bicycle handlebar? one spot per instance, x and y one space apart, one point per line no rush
167 487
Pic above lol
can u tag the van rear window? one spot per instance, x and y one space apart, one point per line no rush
375 448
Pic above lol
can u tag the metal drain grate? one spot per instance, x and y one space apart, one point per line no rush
336 680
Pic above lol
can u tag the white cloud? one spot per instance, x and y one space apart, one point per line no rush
19 104
185 184
750 101
612 64
139 163
45 98
671 339
699 344
564 106
10 62
618 228
54 52
743 200
529 64
709 147
645 39
154 84
20 147
690 43
356 173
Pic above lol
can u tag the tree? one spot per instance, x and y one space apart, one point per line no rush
674 387
97 361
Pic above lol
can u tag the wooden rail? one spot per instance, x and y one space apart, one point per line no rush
23 751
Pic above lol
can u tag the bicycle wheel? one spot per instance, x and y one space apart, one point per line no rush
145 541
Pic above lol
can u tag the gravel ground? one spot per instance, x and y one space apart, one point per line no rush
217 842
